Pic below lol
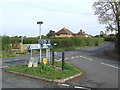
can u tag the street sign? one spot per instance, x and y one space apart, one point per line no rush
49 46
43 41
34 46
39 46
44 46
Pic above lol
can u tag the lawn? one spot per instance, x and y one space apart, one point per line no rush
48 71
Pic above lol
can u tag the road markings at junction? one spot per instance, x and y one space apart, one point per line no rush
66 58
72 57
86 58
66 85
82 88
77 57
7 60
3 67
16 59
109 65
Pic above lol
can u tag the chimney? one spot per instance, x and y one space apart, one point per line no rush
81 30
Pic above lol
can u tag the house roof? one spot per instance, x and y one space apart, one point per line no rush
64 31
81 32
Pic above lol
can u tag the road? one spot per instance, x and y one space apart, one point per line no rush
99 70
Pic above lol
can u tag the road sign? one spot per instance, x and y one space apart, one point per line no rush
45 61
49 46
34 46
43 41
44 46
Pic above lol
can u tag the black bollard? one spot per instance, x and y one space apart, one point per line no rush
63 62
53 58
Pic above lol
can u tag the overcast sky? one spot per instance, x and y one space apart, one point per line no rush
20 17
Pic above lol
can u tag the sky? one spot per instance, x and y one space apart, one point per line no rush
19 17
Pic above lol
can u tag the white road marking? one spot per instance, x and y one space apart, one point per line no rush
6 60
60 59
78 87
72 57
3 67
82 88
66 58
109 65
16 59
64 85
77 57
86 58
73 52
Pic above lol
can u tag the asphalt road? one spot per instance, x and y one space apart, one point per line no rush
99 70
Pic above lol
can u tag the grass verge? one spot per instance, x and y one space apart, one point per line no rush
48 71
5 55
68 48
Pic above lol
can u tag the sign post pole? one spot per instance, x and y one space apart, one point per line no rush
40 22
31 53
49 54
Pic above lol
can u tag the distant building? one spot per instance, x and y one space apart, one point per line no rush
64 32
81 33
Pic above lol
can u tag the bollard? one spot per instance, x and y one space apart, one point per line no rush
53 58
63 62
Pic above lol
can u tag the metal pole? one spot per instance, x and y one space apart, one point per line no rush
40 22
40 38
31 53
48 55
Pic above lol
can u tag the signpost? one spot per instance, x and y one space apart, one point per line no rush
42 44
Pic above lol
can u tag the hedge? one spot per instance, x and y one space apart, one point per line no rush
61 42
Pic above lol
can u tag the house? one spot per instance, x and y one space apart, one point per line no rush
64 32
81 33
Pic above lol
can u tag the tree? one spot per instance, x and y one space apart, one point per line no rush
51 33
108 13
102 33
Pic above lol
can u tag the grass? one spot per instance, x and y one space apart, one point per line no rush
47 71
5 55
68 48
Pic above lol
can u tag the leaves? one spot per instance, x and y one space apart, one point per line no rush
108 13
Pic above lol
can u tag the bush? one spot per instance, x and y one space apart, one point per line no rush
108 38
6 44
76 42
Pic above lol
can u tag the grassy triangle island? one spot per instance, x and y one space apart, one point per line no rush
47 71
